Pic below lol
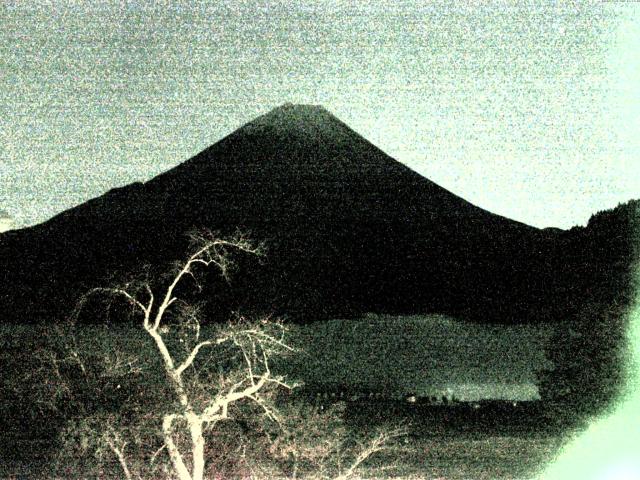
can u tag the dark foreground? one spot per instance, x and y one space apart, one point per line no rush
462 442
493 441
485 441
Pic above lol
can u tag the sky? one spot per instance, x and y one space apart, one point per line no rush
528 109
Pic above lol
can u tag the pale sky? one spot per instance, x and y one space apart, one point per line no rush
527 109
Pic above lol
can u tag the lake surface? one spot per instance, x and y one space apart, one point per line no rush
424 355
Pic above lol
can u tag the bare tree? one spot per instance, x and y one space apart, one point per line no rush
211 374
197 410
325 448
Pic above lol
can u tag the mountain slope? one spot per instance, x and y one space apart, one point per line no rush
348 230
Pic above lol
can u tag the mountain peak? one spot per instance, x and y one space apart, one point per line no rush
298 112
292 136
300 107
311 121
349 229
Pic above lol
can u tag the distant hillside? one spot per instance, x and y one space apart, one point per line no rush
348 230
596 285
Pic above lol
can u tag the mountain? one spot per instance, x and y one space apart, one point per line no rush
347 228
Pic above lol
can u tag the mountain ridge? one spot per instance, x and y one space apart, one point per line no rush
349 230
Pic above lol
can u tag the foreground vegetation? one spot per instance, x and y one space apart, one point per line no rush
176 403
164 395
48 434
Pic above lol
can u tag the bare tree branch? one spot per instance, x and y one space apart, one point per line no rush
255 342
176 458
377 444
192 356
119 453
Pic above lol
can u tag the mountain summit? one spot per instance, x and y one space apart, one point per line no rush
311 122
348 230
298 117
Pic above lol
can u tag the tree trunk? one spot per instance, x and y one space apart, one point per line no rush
176 458
197 445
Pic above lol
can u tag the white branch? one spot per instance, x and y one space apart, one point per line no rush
124 293
222 403
119 453
151 297
377 444
174 453
192 356
157 452
196 258
268 412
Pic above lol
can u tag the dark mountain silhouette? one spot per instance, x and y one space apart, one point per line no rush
348 230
